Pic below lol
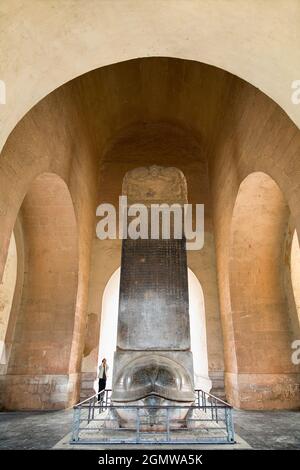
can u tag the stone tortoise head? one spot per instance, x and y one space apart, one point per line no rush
153 375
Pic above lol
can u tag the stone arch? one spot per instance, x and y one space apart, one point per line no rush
295 270
14 303
7 289
199 348
270 149
38 374
252 48
262 374
109 321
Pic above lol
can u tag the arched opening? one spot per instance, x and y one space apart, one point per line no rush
263 375
109 323
7 289
156 93
38 370
295 271
198 333
109 320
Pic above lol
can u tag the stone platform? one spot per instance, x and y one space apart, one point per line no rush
46 430
102 432
65 444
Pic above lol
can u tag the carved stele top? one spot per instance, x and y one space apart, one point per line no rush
154 185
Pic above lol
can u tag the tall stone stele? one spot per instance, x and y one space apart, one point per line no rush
153 362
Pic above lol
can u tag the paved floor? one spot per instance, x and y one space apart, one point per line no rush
269 429
42 430
33 430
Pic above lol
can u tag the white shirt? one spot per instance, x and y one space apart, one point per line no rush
101 371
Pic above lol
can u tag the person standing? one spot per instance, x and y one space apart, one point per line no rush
103 369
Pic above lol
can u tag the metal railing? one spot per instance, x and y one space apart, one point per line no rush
207 421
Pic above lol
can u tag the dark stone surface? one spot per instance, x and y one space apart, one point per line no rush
153 317
42 430
153 306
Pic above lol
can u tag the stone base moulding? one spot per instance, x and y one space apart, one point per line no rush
263 391
39 392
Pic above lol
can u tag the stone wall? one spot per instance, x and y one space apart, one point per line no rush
48 311
217 130
255 135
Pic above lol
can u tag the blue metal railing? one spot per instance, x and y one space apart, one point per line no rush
207 421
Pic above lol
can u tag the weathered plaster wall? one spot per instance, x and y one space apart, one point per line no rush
255 136
51 139
45 44
44 329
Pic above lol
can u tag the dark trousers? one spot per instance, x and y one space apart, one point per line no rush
102 385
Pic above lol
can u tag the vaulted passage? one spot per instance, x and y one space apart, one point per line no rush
168 103
38 364
261 373
238 152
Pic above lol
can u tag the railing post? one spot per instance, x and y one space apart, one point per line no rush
137 425
168 425
229 424
76 424
89 411
101 401
93 408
